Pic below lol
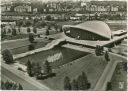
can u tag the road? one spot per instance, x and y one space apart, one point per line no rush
27 82
108 73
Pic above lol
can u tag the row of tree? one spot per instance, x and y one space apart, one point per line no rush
8 85
37 22
34 69
81 83
4 32
99 52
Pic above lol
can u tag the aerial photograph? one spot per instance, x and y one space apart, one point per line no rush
64 45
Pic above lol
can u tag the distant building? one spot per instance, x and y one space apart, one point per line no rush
5 7
114 8
23 8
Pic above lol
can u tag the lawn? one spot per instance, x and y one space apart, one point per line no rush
119 76
14 44
24 49
121 49
57 56
115 27
4 78
92 65
21 46
18 36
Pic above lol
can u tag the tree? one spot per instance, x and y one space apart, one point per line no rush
109 86
61 30
98 50
84 81
8 85
3 33
14 32
96 16
67 85
19 29
7 56
33 68
124 66
56 27
9 30
35 21
48 26
74 85
15 86
48 18
43 24
37 69
20 87
47 32
80 82
35 30
31 47
47 68
31 37
29 68
19 23
28 30
107 56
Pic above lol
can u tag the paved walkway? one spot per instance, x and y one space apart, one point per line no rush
25 79
94 43
107 74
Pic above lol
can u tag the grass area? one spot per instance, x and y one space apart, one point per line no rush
119 76
57 56
24 49
121 49
115 27
14 44
21 46
92 65
18 36
4 78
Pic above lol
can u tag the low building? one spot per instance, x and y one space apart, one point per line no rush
23 8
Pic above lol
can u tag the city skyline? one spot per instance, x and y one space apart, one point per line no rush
59 0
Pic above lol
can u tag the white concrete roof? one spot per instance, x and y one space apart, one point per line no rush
97 27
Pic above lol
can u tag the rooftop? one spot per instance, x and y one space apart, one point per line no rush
97 27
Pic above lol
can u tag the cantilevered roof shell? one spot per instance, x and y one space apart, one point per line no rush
97 27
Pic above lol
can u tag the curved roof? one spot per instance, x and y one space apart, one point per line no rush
97 27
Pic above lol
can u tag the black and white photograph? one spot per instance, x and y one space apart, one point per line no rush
52 45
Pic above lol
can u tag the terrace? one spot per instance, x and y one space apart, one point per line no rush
93 44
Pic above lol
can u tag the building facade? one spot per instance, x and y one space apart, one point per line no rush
90 30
